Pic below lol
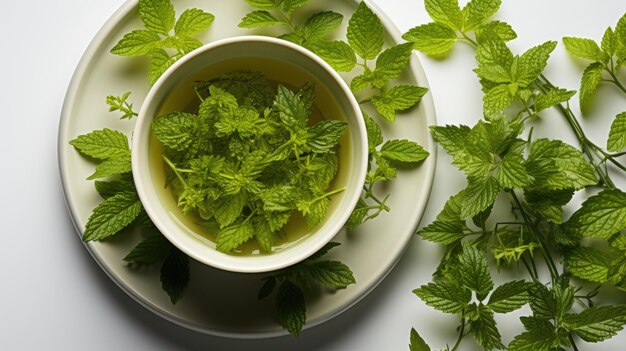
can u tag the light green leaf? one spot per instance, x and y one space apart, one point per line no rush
473 271
609 42
597 323
589 84
446 12
321 24
443 232
259 19
175 274
480 194
233 236
374 133
325 135
137 43
485 330
193 21
338 54
495 29
183 43
533 62
451 138
431 38
509 297
552 98
392 62
157 15
360 82
402 150
175 130
540 336
159 63
617 134
585 48
111 167
330 274
494 61
292 111
512 171
476 12
398 98
102 144
228 208
497 99
417 343
290 6
265 4
589 264
291 307
365 32
445 297
620 31
111 216
600 216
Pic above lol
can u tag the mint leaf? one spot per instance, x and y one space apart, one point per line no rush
120 103
159 63
330 274
497 99
391 63
597 323
157 15
617 134
153 249
477 12
512 169
233 236
323 251
473 272
183 43
432 38
445 297
494 61
589 84
137 43
291 307
175 274
417 343
533 62
609 42
321 24
485 330
291 109
374 133
479 195
443 232
259 19
193 21
112 188
267 288
549 204
398 98
325 135
175 130
102 144
446 12
365 32
498 29
509 297
111 216
600 216
589 264
291 5
403 151
451 138
540 336
552 98
111 167
338 54
265 4
585 48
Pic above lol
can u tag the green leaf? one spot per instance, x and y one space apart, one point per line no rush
451 138
498 29
585 48
228 208
137 43
102 144
259 19
182 43
480 194
111 167
620 31
417 343
497 99
175 274
193 21
494 61
446 12
290 6
233 236
330 274
432 38
617 134
512 171
533 62
111 216
374 133
609 42
443 232
323 251
540 336
292 111
359 215
265 4
160 61
589 264
403 151
445 297
365 32
338 54
589 84
600 216
157 15
112 188
175 130
151 250
267 288
314 212
291 307
485 330
509 297
597 323
552 98
549 204
473 271
325 135
555 165
321 24
398 98
392 62
477 12
542 302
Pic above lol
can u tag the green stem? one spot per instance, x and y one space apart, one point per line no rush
461 332
173 167
469 40
616 81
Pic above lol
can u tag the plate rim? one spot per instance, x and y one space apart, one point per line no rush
429 166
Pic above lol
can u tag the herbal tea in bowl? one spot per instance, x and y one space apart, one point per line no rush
249 154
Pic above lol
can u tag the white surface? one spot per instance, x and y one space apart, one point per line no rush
55 297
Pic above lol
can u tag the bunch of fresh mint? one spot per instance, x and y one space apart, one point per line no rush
501 157
245 169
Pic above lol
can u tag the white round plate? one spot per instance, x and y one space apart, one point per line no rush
218 302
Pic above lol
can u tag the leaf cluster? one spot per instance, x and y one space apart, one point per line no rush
245 167
164 38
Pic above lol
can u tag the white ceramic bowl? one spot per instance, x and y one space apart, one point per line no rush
278 60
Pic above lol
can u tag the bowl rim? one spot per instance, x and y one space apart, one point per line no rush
142 183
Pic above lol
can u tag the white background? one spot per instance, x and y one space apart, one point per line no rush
53 296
